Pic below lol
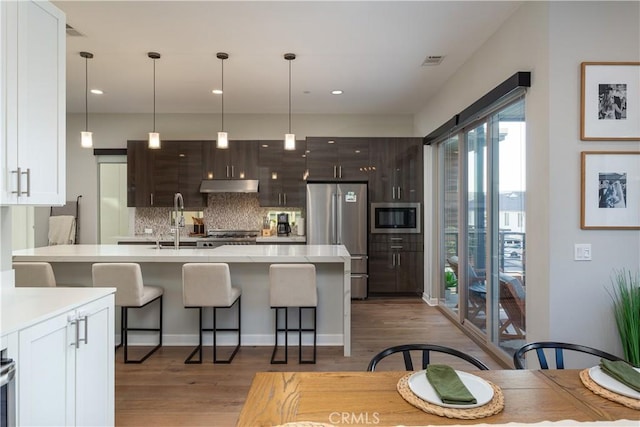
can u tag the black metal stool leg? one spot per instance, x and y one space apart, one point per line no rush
189 360
301 329
286 339
127 329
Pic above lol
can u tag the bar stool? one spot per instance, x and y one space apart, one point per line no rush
293 285
130 293
209 285
34 275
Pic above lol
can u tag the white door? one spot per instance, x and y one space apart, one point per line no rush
95 364
45 367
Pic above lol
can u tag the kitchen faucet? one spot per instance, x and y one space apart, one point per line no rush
178 204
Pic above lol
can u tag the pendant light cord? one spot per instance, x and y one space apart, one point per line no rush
289 96
222 98
154 95
86 93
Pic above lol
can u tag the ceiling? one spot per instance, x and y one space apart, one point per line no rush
372 50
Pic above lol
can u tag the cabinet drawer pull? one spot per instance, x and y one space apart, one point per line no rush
285 198
335 171
233 171
396 247
399 192
17 172
398 260
28 173
340 172
399 239
393 192
84 319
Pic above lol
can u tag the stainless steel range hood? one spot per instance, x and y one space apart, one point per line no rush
229 186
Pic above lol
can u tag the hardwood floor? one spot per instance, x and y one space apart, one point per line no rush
163 391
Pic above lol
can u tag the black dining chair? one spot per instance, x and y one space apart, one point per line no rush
558 347
426 350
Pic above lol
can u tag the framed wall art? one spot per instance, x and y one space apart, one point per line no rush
610 101
610 187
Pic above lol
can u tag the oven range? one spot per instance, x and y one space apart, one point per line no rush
217 238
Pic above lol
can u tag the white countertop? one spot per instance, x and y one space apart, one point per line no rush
281 239
23 307
228 253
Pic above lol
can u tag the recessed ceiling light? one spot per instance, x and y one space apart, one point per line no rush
96 91
336 92
217 92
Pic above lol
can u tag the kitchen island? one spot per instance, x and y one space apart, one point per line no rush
249 266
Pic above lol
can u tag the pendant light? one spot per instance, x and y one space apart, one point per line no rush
289 138
86 137
223 139
154 137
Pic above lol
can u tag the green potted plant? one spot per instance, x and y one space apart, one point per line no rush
625 294
450 281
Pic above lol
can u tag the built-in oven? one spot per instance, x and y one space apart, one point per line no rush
7 391
395 217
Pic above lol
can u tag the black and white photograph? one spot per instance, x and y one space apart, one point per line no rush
612 99
612 190
610 185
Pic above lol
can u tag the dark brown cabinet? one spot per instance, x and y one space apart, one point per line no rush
396 170
396 264
336 159
281 174
154 176
238 161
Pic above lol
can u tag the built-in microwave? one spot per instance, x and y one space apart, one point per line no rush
395 218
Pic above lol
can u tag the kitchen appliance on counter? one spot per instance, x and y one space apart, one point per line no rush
283 227
337 215
217 238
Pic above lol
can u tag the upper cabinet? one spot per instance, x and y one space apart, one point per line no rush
281 174
154 176
396 170
32 103
338 159
238 161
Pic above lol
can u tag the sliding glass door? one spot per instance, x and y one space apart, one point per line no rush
483 238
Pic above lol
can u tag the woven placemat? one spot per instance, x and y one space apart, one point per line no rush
495 405
629 402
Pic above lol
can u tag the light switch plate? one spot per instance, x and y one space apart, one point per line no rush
148 231
582 252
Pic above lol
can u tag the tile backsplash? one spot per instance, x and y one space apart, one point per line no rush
224 211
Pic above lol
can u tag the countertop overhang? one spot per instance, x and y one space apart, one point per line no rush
228 253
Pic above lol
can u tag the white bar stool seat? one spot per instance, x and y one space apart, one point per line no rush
130 293
34 275
209 285
293 285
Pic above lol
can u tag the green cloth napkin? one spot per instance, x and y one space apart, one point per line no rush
622 372
448 386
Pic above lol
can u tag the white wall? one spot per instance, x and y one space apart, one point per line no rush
576 35
113 131
566 300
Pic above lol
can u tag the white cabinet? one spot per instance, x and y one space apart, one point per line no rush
32 103
66 368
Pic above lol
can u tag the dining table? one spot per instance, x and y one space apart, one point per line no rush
372 398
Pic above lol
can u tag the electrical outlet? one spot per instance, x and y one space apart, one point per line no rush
582 252
148 231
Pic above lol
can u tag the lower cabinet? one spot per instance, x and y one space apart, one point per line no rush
396 265
66 368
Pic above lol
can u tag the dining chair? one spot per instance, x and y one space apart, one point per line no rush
426 350
477 288
512 301
558 347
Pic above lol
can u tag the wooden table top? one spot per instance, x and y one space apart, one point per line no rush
371 398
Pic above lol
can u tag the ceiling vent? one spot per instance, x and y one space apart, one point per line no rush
432 60
73 32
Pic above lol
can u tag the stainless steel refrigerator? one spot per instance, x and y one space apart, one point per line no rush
337 215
